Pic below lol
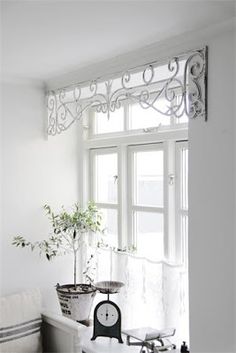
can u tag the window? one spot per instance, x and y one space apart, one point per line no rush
101 125
138 168
141 118
130 119
104 189
146 199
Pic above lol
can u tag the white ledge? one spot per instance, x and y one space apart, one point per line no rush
62 323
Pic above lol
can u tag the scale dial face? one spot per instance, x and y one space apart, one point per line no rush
107 314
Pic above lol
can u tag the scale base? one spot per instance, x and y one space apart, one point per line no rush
154 341
117 337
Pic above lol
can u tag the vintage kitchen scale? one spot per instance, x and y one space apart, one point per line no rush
150 340
107 314
107 323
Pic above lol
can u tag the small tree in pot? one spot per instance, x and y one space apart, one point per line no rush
69 230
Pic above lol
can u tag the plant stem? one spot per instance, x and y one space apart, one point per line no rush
75 268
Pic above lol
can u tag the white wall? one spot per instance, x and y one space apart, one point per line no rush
234 93
211 208
1 154
35 171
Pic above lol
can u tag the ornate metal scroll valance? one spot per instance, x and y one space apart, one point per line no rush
174 88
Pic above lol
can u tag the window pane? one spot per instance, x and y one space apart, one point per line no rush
149 233
184 118
106 178
148 178
144 118
110 224
104 125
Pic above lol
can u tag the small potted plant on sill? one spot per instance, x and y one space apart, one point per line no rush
69 229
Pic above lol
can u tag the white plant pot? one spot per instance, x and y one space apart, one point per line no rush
76 304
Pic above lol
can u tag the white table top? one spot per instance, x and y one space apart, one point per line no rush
107 345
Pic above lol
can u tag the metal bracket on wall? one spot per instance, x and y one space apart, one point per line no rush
173 88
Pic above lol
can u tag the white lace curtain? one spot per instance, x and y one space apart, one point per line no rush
155 293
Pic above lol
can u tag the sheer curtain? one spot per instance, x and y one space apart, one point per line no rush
155 293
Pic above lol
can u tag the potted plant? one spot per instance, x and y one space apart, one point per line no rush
69 230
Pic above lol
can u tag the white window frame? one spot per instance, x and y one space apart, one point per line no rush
96 152
121 142
181 242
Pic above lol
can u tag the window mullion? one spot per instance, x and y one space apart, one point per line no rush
122 199
126 116
130 187
166 199
83 160
148 208
170 193
92 173
107 205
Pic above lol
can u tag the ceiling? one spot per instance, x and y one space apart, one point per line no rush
48 38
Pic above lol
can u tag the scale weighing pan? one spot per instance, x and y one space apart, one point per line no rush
108 287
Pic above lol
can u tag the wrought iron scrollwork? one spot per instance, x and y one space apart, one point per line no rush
182 88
